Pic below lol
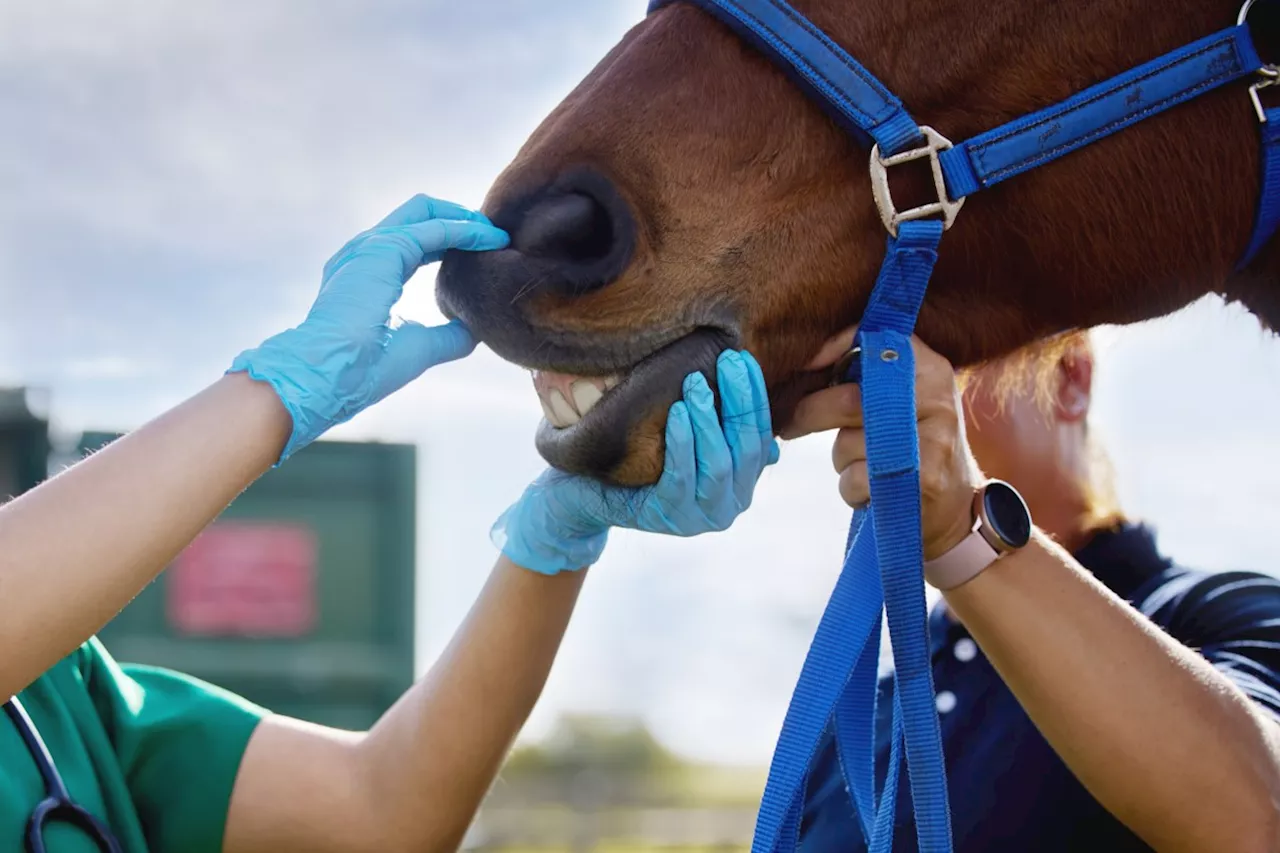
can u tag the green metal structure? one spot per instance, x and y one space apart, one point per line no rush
301 596
24 444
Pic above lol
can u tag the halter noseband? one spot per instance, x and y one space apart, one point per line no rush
883 569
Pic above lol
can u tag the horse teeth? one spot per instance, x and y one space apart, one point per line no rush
612 382
564 415
585 395
546 411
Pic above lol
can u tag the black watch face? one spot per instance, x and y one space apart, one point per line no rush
1007 514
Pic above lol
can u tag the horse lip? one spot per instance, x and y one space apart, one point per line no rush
599 357
599 443
512 331
510 326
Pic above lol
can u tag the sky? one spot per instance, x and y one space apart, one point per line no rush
174 175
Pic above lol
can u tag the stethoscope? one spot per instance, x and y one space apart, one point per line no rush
57 806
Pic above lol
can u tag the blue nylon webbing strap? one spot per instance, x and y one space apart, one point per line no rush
883 572
852 614
855 714
823 69
1268 216
1099 111
893 463
855 719
882 840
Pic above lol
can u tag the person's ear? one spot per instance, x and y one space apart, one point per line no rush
1075 385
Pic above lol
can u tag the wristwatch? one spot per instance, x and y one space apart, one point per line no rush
1001 525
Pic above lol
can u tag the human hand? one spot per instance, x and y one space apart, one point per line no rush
346 355
561 523
948 473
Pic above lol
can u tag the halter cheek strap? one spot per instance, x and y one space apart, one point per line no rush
1268 217
883 568
821 68
1099 111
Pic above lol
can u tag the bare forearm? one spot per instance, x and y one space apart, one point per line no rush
1165 742
434 755
78 548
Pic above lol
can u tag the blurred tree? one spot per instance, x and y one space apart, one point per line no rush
590 763
604 779
579 741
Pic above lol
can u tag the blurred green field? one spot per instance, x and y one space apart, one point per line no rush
601 785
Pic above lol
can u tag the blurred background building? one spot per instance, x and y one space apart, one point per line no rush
300 597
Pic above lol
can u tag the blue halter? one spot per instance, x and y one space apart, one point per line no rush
883 569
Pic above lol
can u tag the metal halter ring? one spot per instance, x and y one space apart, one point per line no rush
891 217
1244 12
840 370
1268 75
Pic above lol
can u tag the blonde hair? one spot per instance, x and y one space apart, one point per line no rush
1037 367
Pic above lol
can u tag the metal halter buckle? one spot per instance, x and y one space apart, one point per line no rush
890 215
1268 75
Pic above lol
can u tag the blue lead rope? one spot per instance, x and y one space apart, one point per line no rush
883 569
893 463
882 574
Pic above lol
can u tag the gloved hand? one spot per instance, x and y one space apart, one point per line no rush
345 356
562 521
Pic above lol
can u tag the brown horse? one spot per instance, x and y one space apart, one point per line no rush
686 197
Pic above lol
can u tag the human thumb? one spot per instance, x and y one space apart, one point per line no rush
449 342
413 348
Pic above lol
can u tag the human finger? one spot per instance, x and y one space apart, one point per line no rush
855 485
849 447
365 280
834 349
412 348
421 207
760 406
737 403
679 468
713 462
831 408
438 235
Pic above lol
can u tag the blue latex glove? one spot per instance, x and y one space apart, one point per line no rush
562 521
346 356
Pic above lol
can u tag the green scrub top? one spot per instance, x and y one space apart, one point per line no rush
151 752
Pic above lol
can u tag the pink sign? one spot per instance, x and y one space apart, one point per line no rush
245 579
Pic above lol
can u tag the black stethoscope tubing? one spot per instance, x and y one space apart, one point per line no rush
57 806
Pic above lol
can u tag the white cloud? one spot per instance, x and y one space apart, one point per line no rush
106 367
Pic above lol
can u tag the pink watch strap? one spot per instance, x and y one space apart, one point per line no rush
961 564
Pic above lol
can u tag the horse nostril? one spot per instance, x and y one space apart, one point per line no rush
574 228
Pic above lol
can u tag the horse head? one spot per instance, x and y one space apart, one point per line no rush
686 197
